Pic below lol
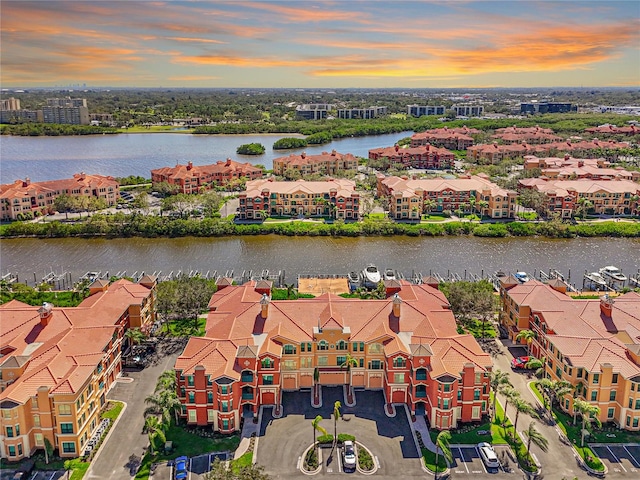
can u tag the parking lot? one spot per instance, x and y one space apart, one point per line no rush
467 461
621 460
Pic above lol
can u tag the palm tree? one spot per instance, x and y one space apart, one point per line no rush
135 336
167 381
155 430
430 205
537 365
510 394
589 414
336 416
522 406
535 437
497 380
348 363
442 445
317 427
584 205
483 204
560 389
527 336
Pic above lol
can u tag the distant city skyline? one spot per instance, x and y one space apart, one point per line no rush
316 44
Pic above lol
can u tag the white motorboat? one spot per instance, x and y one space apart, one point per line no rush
521 277
354 280
613 273
371 276
596 279
389 274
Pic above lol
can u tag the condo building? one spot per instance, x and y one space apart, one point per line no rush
336 198
569 168
38 197
326 163
409 198
592 344
420 110
362 113
445 137
192 178
57 365
406 345
424 156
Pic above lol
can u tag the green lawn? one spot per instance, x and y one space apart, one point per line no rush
186 327
432 218
114 410
475 328
430 460
155 129
244 461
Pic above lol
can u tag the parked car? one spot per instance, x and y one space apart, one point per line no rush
181 468
520 362
349 454
488 455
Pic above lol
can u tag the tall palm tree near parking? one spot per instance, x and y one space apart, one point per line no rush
155 430
442 445
522 406
560 389
527 336
166 381
589 414
348 363
497 380
317 427
336 416
535 437
135 336
510 394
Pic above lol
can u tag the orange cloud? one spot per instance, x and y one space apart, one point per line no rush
195 40
308 13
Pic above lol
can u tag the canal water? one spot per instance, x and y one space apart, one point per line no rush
318 255
50 158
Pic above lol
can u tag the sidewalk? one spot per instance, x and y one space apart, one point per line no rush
248 429
420 425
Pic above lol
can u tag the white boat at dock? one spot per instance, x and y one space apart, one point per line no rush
613 273
371 276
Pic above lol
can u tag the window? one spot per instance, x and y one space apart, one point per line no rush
9 432
225 424
635 422
323 345
66 427
209 397
375 365
459 394
579 374
445 404
476 394
190 381
267 379
475 412
610 412
341 360
289 365
375 348
341 345
614 378
17 430
39 439
637 407
192 416
612 395
34 400
306 362
596 378
12 451
225 406
210 381
192 397
323 361
305 347
247 376
289 349
224 389
64 409
399 362
446 387
36 420
267 363
398 378
210 415
68 447
421 374
594 395
478 378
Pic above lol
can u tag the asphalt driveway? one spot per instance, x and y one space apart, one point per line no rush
283 441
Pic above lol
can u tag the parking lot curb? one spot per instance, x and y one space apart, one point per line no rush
304 455
375 462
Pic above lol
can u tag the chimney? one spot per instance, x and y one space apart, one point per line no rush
397 302
26 182
45 312
606 305
228 163
189 165
303 155
264 303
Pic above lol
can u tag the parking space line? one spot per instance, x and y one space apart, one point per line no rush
481 461
462 459
633 459
209 460
617 459
190 467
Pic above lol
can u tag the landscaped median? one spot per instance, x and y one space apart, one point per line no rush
572 433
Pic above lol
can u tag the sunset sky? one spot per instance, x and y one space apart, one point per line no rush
332 44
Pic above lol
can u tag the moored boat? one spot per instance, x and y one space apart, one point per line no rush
371 276
613 273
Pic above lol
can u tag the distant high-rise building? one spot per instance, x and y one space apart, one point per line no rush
313 111
10 104
468 110
362 113
420 110
546 107
67 102
71 111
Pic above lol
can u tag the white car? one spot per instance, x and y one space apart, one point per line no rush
349 454
488 455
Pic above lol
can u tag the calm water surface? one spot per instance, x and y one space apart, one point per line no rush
50 158
298 255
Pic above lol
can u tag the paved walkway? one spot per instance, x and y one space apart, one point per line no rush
420 425
126 444
248 428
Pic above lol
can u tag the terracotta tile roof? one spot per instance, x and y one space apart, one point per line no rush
475 183
344 187
450 355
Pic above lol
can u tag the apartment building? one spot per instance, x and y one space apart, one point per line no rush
495 153
192 178
57 365
618 197
70 111
614 130
406 345
10 104
423 156
593 344
569 168
525 135
326 163
313 111
336 198
468 110
362 113
546 107
24 196
420 110
410 198
451 138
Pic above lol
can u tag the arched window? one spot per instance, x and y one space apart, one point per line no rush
323 345
375 348
341 345
267 363
399 362
289 349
